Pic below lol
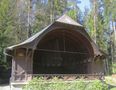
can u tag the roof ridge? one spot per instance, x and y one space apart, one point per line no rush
66 19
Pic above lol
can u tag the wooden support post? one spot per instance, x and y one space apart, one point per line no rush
32 63
26 64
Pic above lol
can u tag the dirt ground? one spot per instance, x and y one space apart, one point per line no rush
4 87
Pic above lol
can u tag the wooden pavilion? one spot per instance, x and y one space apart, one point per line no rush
64 47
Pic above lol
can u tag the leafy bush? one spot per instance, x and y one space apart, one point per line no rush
114 68
58 84
5 72
97 85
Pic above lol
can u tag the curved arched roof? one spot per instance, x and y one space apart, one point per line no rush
64 22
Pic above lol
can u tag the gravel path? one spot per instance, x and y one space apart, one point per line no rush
4 87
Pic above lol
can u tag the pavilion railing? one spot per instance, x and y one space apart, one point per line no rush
60 76
71 76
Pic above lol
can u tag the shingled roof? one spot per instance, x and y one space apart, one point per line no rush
63 22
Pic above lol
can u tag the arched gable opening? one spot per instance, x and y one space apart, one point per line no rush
62 51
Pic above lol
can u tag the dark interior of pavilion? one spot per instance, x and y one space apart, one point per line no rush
61 52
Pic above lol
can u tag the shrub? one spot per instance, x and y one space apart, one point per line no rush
114 68
97 85
58 84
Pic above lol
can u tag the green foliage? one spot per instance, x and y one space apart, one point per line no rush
97 85
4 65
73 9
6 35
6 25
113 89
73 14
46 13
58 84
78 85
96 25
114 68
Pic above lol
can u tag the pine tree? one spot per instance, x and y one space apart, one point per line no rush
6 25
46 12
98 23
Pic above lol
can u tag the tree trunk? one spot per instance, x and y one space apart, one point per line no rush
29 19
95 13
